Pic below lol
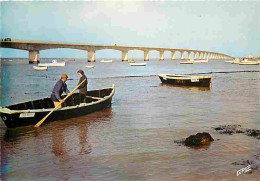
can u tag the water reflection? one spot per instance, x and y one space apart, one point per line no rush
61 139
187 87
13 134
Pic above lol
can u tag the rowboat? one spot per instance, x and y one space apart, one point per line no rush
90 66
137 64
106 61
31 112
40 68
53 64
186 80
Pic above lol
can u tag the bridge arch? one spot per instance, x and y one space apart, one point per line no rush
63 53
108 53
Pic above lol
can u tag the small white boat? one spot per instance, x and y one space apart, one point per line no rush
248 63
201 61
106 61
187 62
90 66
53 64
236 61
137 64
228 61
40 68
70 59
131 61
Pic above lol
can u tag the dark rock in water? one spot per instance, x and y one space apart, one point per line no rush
253 132
232 129
198 140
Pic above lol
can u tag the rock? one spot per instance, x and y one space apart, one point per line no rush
253 132
254 163
232 129
198 140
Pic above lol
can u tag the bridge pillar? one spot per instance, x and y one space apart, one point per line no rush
200 55
34 56
182 55
204 55
173 55
161 55
189 55
208 55
124 56
146 55
91 56
195 55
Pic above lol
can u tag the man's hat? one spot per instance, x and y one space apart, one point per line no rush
64 76
81 71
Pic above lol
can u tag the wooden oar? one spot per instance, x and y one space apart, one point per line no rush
43 119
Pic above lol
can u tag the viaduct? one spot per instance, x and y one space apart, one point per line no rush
34 48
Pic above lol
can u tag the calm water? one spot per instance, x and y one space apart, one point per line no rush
134 139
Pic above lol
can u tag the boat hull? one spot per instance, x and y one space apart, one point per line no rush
13 120
137 64
40 68
248 63
198 81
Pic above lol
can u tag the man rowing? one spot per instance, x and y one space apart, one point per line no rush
58 89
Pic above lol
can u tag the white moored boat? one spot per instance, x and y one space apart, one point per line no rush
131 61
106 61
188 62
53 64
236 61
247 62
137 64
40 68
201 61
228 61
90 66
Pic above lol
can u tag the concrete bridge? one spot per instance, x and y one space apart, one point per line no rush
34 48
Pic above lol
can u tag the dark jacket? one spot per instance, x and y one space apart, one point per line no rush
83 87
59 88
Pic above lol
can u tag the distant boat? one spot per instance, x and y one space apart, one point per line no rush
188 62
249 63
131 61
40 68
106 61
186 80
229 61
53 64
90 66
137 64
70 59
236 61
201 61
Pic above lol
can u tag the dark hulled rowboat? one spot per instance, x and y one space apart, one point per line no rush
30 113
187 80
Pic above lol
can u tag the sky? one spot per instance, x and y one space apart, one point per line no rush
228 27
